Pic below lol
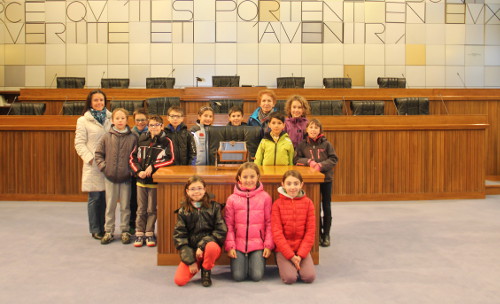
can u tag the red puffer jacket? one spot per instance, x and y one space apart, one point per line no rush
293 225
248 220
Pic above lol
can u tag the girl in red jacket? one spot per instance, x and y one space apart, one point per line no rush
248 218
294 226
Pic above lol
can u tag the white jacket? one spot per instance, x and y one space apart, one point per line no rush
88 132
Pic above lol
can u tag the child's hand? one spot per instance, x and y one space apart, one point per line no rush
193 268
148 171
296 261
142 174
266 253
231 253
317 167
312 164
199 254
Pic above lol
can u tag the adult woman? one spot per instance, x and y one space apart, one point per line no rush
260 117
94 123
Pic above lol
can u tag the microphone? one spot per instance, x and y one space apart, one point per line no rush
442 101
171 72
407 86
395 106
52 82
11 105
344 106
100 82
463 82
198 79
293 79
65 100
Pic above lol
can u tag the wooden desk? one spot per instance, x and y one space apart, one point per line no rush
221 183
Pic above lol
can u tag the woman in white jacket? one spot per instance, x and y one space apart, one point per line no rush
94 123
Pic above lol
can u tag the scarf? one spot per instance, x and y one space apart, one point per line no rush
197 205
263 117
100 116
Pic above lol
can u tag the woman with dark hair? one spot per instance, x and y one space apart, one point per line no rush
94 123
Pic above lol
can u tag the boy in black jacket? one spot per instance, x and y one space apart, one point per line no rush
153 151
182 139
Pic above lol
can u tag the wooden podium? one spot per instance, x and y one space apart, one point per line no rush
171 181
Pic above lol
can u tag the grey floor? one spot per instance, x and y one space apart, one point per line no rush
445 251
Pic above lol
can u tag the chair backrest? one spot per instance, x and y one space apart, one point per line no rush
226 81
249 134
367 107
129 105
160 83
223 105
160 105
391 82
412 105
338 82
73 107
27 108
70 82
280 105
326 107
115 83
290 82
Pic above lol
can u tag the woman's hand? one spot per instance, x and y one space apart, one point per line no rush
266 253
193 268
231 253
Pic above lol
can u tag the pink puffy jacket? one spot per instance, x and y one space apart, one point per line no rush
248 220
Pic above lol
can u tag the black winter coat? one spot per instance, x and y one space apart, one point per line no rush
195 229
319 150
156 152
184 146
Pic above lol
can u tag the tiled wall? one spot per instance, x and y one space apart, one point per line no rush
433 43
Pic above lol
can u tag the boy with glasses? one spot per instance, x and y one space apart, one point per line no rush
182 139
153 151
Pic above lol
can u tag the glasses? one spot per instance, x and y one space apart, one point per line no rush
175 116
196 189
155 125
140 120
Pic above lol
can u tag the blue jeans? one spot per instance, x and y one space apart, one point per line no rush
251 264
96 208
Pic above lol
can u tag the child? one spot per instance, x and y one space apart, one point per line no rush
199 233
111 155
296 108
248 218
154 150
199 131
294 225
141 126
318 153
275 148
184 146
236 117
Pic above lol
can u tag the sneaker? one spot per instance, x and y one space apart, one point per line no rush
139 241
125 238
151 241
107 238
97 236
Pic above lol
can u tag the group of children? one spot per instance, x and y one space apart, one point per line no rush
252 223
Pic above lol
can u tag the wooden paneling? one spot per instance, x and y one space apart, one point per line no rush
220 183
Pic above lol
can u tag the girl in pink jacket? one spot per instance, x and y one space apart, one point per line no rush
248 218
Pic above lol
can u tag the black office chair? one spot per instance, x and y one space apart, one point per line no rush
326 107
70 82
290 82
223 105
115 83
160 83
412 105
337 83
27 108
160 105
391 82
129 105
73 107
225 81
280 105
367 107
